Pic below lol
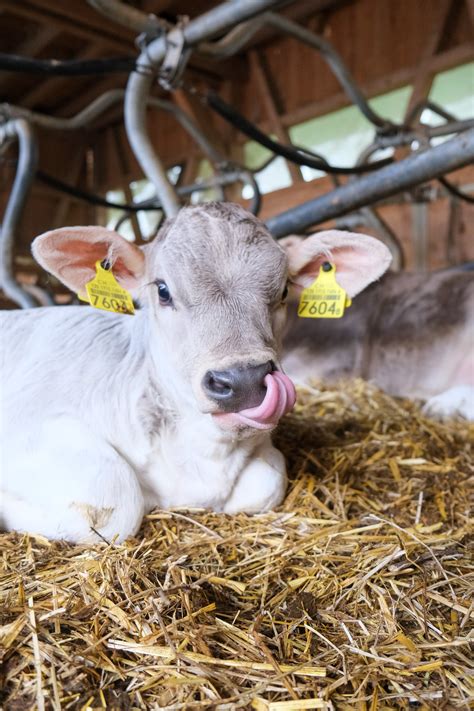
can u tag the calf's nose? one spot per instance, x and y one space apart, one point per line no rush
237 388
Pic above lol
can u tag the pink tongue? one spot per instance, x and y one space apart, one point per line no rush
279 399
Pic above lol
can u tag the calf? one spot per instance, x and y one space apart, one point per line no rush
411 334
105 415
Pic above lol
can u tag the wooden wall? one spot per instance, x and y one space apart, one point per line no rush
385 43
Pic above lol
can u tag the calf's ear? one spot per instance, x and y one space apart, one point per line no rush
359 259
70 254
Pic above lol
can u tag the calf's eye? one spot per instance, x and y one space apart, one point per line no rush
285 293
164 293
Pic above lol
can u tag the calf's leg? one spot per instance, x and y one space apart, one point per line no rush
262 483
63 481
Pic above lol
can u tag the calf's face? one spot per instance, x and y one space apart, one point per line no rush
214 284
216 290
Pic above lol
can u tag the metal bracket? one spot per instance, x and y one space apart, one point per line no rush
176 57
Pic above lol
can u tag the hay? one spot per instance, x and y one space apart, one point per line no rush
356 594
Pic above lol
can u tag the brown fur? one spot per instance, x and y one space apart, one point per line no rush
405 332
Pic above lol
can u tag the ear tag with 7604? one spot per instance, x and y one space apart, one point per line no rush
104 292
324 298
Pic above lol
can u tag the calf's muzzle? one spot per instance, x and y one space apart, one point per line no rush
239 387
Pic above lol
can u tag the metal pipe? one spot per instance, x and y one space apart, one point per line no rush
26 167
334 60
198 30
234 40
114 96
129 16
417 168
101 104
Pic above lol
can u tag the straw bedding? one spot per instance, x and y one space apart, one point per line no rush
356 594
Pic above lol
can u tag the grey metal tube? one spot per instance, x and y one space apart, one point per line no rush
101 104
416 169
335 62
234 40
128 16
81 119
198 30
105 101
25 172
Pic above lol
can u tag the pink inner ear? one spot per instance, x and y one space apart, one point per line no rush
310 271
81 256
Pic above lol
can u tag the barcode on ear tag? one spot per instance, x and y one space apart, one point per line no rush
105 293
324 298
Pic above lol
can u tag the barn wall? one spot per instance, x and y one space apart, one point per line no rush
383 43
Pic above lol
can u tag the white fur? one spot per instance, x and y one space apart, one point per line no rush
103 416
94 440
458 401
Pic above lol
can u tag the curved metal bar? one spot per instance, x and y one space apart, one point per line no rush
101 104
432 106
129 16
114 96
27 160
198 30
338 67
81 119
234 40
141 22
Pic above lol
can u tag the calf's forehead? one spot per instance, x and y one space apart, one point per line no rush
219 243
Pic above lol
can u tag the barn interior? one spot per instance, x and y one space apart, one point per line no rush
356 593
410 60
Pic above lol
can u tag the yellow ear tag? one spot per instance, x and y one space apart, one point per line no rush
104 292
324 298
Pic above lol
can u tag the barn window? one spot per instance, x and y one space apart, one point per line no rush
148 220
454 91
341 135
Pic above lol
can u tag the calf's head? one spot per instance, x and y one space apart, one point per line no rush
213 285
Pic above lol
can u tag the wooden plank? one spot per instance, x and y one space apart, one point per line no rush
425 71
262 83
470 9
72 177
82 15
23 9
440 62
125 179
202 117
54 85
29 48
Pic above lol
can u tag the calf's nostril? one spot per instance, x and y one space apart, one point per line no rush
217 385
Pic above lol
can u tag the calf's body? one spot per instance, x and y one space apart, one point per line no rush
105 416
412 334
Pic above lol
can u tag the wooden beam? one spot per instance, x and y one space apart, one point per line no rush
54 85
29 48
24 9
425 72
470 9
34 44
72 177
264 90
124 180
401 77
202 117
190 170
72 106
